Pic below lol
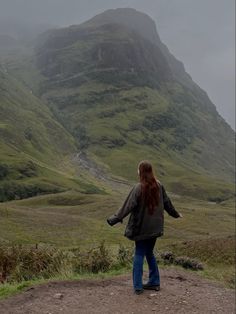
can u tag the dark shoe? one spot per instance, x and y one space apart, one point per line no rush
151 287
138 291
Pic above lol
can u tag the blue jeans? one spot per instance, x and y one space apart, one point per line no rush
145 248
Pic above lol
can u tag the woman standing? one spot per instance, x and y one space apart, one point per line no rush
145 204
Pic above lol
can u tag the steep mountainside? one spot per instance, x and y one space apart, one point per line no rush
145 26
34 146
122 96
28 125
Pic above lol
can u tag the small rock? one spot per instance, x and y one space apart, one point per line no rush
181 278
112 293
153 294
58 296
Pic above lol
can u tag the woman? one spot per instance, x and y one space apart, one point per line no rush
146 203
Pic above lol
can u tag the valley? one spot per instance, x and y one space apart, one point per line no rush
80 107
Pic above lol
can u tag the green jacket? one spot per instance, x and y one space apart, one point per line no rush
141 224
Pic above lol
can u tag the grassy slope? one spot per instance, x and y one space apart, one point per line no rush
28 125
70 219
35 149
111 123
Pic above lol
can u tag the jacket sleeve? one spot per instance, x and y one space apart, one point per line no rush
168 206
129 204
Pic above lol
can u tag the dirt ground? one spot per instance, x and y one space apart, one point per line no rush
181 292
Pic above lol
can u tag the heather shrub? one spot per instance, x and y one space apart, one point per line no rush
167 257
188 263
124 256
184 261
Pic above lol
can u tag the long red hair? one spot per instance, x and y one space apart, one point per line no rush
150 189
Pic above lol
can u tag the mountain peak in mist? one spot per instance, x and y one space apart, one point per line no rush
133 19
145 26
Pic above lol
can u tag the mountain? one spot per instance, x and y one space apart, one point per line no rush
122 96
146 27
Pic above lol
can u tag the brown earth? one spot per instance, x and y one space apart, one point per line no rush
181 292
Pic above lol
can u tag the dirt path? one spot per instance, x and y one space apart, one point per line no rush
181 292
85 163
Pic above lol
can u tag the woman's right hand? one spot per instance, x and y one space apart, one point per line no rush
113 220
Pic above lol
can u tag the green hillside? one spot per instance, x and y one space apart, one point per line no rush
34 147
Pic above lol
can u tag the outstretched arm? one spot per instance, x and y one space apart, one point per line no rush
129 204
168 206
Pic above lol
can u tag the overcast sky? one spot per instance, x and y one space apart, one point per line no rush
200 33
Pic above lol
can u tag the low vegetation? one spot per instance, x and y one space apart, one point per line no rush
188 263
20 264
